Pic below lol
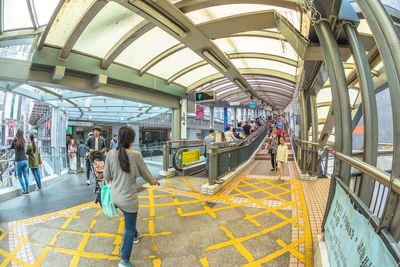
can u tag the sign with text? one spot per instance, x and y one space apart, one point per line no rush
199 111
350 239
190 156
11 128
252 104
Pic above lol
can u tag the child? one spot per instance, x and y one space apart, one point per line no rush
282 157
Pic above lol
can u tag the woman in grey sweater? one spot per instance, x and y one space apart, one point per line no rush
122 167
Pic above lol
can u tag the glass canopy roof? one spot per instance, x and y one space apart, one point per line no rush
86 107
154 51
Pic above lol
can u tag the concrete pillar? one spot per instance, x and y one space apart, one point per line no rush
212 114
235 117
184 109
176 124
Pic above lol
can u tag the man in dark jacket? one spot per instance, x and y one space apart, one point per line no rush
94 143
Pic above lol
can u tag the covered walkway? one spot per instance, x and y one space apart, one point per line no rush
254 221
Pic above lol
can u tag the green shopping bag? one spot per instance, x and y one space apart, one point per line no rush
107 204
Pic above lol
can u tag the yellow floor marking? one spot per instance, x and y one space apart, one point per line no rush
238 245
156 263
39 260
92 224
75 260
69 220
117 245
204 261
55 237
259 233
307 231
293 251
121 225
146 219
11 256
98 212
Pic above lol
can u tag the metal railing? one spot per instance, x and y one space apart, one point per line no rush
54 162
381 212
224 157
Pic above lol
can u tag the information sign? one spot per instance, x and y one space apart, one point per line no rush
190 156
253 104
350 239
199 111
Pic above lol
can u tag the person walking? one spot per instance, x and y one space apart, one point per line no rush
72 149
114 142
21 160
207 143
282 157
229 135
273 147
82 154
123 166
94 142
33 160
246 128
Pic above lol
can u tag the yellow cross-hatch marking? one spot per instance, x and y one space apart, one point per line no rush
239 193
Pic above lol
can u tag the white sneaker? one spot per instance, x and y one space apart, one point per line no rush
88 182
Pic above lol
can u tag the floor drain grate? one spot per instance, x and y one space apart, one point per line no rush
210 204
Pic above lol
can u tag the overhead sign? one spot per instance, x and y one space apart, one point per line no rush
350 239
190 156
253 104
205 96
234 103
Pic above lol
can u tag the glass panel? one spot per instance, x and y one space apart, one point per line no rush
16 15
347 71
228 90
44 9
147 47
109 25
363 27
175 63
379 66
67 18
196 75
324 95
320 127
222 86
353 95
323 112
263 64
217 12
241 44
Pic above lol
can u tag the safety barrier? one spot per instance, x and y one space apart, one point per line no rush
224 157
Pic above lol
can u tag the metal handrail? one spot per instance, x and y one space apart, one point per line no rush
377 174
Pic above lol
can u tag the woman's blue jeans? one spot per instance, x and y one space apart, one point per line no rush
36 174
130 233
22 170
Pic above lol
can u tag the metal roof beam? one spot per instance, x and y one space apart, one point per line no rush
266 72
192 5
124 42
50 23
160 57
32 13
175 23
89 15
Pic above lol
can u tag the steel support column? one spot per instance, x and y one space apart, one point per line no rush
235 117
225 118
212 117
339 87
314 125
369 109
388 41
247 114
176 124
303 130
323 35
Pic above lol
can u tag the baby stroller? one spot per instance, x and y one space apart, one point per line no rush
96 159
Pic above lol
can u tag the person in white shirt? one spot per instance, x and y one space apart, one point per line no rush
282 157
229 135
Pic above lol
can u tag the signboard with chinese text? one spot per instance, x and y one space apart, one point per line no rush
350 239
252 104
190 156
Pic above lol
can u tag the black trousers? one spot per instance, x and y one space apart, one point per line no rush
273 160
87 169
